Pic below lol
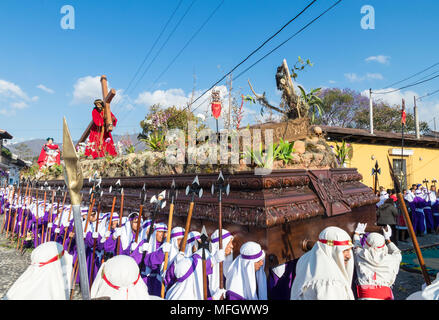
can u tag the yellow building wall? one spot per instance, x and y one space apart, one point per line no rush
423 164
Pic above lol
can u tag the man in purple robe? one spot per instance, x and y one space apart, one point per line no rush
418 217
150 256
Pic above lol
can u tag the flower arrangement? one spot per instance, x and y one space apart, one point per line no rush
343 153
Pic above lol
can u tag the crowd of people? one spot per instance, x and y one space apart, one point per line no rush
422 206
127 261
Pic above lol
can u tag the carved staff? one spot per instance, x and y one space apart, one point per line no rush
408 222
49 224
375 172
46 187
36 215
96 182
15 213
22 232
57 230
18 206
159 203
74 180
120 219
139 218
98 193
192 190
204 245
66 227
117 190
172 195
25 231
221 188
114 191
23 212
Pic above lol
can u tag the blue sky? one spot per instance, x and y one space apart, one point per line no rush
47 72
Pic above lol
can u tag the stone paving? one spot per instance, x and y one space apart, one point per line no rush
13 264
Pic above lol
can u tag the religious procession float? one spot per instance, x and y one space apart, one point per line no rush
283 209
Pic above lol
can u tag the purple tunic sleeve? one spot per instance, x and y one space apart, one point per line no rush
136 255
230 295
110 244
154 260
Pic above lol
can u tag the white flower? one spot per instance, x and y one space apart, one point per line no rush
201 116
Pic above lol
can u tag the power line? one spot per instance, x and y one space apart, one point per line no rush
163 45
412 75
266 55
428 94
251 54
153 46
408 86
222 78
303 28
187 43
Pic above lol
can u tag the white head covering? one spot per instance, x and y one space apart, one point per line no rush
119 279
176 233
383 197
192 240
374 265
128 234
409 196
189 284
153 240
47 278
242 279
214 277
418 193
323 266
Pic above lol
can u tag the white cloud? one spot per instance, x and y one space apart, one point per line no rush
374 76
46 89
86 90
11 90
332 81
353 77
14 97
19 105
380 59
177 97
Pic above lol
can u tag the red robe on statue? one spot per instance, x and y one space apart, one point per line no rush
94 141
49 155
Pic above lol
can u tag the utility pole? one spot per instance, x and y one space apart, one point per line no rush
230 103
415 109
370 111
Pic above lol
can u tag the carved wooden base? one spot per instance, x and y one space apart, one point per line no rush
278 211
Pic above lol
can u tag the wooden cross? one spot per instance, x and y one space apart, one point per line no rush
108 121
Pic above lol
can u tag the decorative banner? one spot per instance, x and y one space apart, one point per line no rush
216 104
216 109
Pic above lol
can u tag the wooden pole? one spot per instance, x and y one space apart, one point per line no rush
66 228
168 239
120 223
187 227
414 239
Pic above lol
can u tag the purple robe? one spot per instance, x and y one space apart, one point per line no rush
280 288
418 218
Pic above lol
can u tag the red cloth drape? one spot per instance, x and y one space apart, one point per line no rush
95 147
49 155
